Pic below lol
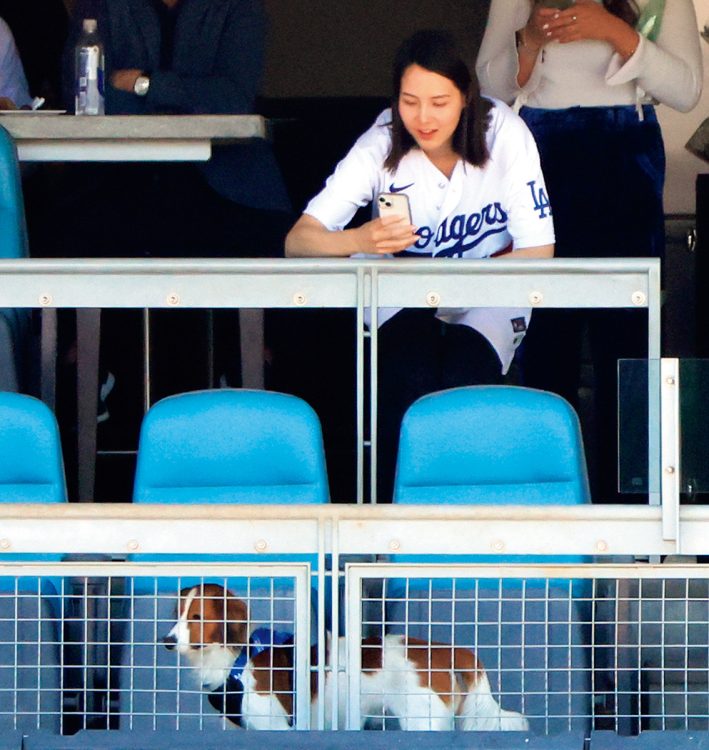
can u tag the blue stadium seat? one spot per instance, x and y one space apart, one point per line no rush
496 445
501 445
13 244
220 446
231 446
31 471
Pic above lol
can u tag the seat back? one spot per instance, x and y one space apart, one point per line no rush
231 446
13 228
31 464
220 446
31 471
495 445
500 445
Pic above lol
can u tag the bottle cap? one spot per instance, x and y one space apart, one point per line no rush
89 25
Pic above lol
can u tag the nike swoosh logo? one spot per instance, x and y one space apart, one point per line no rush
394 189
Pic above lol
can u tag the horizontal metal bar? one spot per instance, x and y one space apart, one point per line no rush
129 128
363 529
156 570
175 284
107 150
336 512
360 571
502 287
187 536
324 283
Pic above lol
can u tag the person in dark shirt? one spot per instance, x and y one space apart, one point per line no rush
189 57
40 29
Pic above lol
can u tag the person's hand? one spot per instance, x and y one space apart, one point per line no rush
387 234
7 103
124 80
585 19
534 34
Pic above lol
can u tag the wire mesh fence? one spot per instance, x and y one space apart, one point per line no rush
197 646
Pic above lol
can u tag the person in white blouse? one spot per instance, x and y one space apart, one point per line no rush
585 77
14 92
471 172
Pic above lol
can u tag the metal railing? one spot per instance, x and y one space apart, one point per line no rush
329 536
570 647
363 286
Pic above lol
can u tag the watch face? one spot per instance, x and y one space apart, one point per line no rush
142 83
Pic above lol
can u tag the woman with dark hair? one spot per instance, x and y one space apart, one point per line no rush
471 172
586 78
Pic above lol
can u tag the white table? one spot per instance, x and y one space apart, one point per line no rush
45 137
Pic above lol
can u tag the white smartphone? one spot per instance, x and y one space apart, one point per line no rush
394 204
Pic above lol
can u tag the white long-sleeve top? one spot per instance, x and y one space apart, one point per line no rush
13 83
590 73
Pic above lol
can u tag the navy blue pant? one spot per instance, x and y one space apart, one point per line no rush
419 354
604 169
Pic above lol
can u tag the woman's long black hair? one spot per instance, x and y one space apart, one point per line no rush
626 10
436 51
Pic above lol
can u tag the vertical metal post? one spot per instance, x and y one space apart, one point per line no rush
373 382
251 322
211 373
654 354
323 526
353 593
359 326
147 344
88 337
302 648
335 627
670 434
48 354
627 658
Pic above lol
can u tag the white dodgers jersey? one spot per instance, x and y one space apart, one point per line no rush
476 213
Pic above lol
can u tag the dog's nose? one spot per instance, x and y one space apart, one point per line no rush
170 641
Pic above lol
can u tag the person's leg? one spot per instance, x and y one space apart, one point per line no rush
468 358
551 352
604 169
314 359
408 368
550 356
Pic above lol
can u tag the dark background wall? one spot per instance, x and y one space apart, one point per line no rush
338 48
344 48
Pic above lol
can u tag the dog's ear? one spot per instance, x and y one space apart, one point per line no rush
179 604
236 630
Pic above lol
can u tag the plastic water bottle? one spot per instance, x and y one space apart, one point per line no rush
89 71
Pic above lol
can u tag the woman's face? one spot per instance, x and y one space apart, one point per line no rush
430 106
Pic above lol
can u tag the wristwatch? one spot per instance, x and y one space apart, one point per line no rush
141 85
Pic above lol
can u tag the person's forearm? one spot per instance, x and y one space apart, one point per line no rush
672 67
304 241
539 251
497 64
527 52
623 38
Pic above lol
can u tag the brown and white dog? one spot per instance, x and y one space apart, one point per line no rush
426 686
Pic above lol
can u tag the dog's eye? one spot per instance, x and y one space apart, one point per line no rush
196 617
